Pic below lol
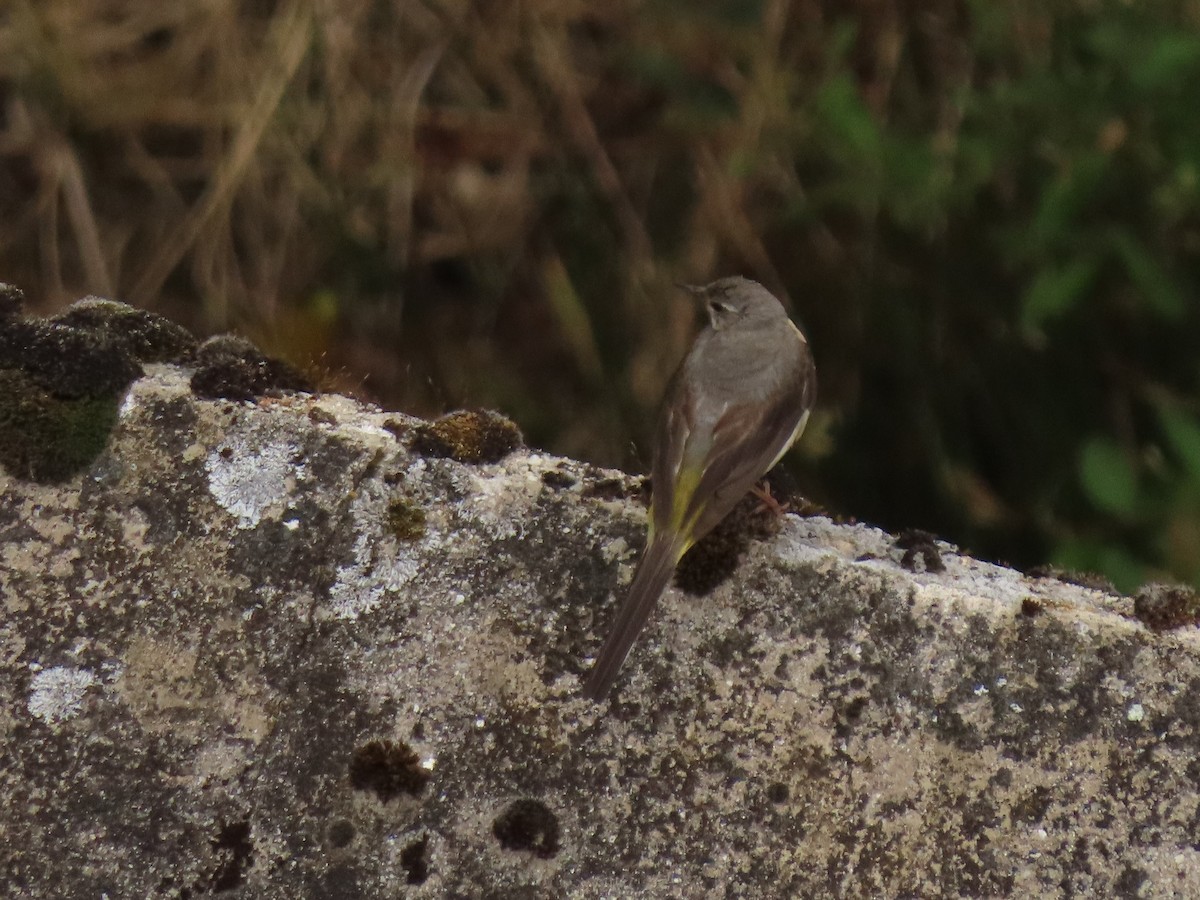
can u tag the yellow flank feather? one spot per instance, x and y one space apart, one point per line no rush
685 487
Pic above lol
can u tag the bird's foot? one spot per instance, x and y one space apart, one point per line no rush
763 492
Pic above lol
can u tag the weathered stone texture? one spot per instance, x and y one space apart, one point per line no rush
236 661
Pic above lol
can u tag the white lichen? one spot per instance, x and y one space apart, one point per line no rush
381 565
249 474
56 694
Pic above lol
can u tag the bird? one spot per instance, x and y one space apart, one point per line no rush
738 401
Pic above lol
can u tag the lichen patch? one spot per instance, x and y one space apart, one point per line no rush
56 694
250 477
380 566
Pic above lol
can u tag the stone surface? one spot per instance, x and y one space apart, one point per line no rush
268 650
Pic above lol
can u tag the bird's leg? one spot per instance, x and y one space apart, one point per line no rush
762 491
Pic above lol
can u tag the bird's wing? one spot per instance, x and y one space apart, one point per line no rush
748 439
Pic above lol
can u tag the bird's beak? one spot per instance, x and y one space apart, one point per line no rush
696 290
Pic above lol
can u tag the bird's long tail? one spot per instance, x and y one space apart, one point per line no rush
649 581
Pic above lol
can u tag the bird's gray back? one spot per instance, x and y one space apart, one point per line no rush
741 364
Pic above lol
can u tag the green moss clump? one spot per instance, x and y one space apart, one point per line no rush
468 436
62 380
405 520
47 438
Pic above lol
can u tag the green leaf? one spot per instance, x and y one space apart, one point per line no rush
1063 202
1173 57
1055 290
844 113
914 191
1182 432
1108 479
1146 274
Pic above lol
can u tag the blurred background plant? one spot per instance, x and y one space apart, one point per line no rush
986 214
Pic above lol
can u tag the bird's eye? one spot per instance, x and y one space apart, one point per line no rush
718 307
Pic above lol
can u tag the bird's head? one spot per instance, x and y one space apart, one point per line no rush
735 300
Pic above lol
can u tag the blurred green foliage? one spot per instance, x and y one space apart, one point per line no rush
987 215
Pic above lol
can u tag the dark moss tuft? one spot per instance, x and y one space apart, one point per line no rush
919 544
807 509
142 335
235 851
558 480
715 557
47 438
319 416
398 429
405 520
1089 580
528 825
1032 807
1166 606
414 859
65 361
92 350
469 436
387 768
607 488
232 368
